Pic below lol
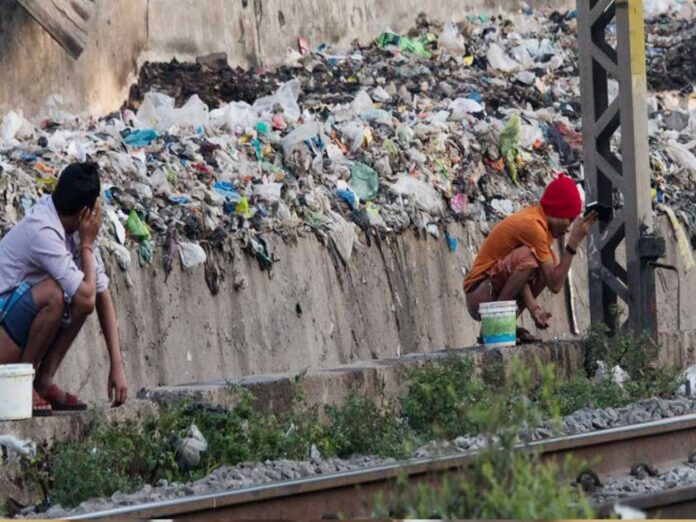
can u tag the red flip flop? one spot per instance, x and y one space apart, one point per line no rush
63 401
39 407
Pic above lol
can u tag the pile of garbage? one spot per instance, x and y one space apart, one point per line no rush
447 123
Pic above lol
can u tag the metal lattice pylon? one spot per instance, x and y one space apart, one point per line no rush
611 44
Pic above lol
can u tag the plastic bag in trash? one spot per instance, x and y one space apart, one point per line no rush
117 228
268 191
342 232
17 448
14 125
363 181
227 190
463 106
681 155
189 449
654 8
194 114
233 115
498 59
191 254
521 55
136 227
300 134
140 138
362 102
159 183
123 255
157 112
286 96
509 145
154 109
450 38
422 193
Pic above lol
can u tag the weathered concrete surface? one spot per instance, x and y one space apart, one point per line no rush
34 66
332 385
251 32
273 391
401 295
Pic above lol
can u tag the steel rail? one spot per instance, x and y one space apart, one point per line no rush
352 494
676 503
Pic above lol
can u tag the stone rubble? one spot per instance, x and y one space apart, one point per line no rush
250 474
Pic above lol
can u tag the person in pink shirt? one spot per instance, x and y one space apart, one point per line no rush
51 279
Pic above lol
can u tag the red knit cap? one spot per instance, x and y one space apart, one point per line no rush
561 199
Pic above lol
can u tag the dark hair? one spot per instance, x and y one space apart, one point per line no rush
78 187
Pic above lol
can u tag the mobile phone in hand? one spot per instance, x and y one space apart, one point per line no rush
604 212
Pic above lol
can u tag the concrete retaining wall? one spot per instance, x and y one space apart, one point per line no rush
399 296
252 32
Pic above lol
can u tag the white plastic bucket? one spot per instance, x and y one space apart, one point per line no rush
498 323
16 382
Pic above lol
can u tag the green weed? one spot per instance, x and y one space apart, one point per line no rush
504 482
443 399
362 426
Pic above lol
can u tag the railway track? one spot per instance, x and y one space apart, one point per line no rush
611 452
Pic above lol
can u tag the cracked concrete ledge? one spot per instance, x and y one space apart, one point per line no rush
272 391
330 386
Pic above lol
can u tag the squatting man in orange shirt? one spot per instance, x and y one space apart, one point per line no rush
516 261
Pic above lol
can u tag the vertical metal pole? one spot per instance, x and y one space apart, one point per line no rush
607 170
636 160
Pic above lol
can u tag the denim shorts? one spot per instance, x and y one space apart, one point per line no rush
18 314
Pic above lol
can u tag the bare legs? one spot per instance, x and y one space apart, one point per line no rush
50 364
48 298
47 344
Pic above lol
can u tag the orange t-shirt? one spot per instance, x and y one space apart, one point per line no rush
527 227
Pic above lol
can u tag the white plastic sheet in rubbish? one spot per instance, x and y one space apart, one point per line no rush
189 448
116 225
191 254
154 109
521 55
463 106
14 126
498 59
304 132
241 114
286 96
681 155
617 374
529 135
268 191
233 115
159 183
123 255
628 513
450 38
158 112
362 102
343 234
503 206
423 194
16 448
652 8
